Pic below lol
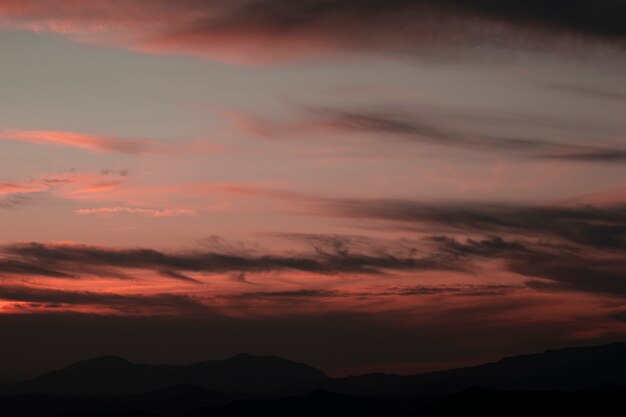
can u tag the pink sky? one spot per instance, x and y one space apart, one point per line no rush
449 172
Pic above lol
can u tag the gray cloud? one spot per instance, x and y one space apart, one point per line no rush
75 261
448 132
586 91
406 25
270 29
47 297
551 267
597 227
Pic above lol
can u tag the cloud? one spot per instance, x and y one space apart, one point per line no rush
270 30
81 140
558 248
551 267
71 184
55 298
316 295
597 227
586 91
303 294
18 267
12 201
448 129
75 260
148 212
471 290
96 143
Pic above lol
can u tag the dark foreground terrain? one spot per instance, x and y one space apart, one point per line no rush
577 380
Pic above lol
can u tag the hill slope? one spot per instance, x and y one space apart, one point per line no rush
117 376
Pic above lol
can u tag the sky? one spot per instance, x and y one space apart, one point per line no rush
395 186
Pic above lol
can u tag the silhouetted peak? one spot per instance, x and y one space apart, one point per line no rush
323 393
242 356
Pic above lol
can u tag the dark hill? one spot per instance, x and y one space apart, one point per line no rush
564 369
117 376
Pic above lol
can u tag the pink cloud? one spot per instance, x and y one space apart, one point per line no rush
97 143
10 188
80 140
139 211
65 185
262 31
615 196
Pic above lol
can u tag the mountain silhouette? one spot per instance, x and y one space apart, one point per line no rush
572 379
111 375
564 369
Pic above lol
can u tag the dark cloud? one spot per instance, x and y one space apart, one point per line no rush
13 201
284 29
181 304
316 295
586 91
591 155
587 16
551 267
597 227
449 133
471 290
21 267
295 294
65 261
179 276
490 247
564 272
566 248
408 24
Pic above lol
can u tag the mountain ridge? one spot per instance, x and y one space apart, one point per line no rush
113 375
554 369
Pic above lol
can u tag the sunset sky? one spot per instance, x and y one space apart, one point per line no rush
361 185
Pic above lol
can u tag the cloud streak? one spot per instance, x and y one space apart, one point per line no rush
148 212
74 260
270 30
59 299
445 130
598 227
81 141
70 184
575 248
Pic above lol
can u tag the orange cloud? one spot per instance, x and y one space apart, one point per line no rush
139 211
261 31
80 140
70 184
9 188
97 143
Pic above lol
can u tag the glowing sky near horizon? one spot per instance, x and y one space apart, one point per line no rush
444 178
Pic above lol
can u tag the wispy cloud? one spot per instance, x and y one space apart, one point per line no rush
601 227
97 143
75 260
446 129
586 91
81 140
68 184
149 212
266 30
49 298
